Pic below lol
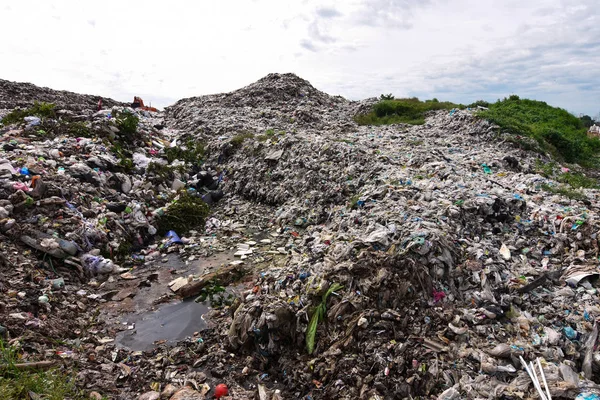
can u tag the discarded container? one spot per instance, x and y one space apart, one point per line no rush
221 390
58 283
173 238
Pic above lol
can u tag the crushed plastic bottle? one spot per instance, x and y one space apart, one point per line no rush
570 332
587 396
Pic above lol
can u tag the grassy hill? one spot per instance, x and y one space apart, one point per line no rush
555 130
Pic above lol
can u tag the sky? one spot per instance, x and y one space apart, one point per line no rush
459 50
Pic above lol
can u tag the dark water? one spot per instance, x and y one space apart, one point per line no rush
171 322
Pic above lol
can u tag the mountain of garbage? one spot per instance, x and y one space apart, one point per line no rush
18 94
355 262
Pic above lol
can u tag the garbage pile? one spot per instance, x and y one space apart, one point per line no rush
370 262
83 193
18 94
277 102
448 257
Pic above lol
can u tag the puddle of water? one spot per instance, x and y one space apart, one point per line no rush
171 322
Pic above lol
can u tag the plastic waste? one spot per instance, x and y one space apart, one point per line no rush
58 283
588 396
97 265
68 246
221 390
173 238
570 332
32 121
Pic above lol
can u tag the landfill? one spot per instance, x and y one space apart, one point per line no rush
327 259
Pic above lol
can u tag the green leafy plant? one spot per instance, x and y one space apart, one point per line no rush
216 294
479 103
318 316
124 156
79 129
192 152
127 123
578 180
269 134
184 213
546 169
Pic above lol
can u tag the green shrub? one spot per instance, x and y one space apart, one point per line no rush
558 132
127 123
479 103
44 110
79 129
185 213
192 152
407 111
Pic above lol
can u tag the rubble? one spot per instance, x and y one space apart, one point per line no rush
349 261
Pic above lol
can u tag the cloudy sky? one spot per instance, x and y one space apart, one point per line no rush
459 50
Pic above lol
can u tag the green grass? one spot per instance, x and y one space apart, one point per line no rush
16 383
269 134
237 140
564 191
408 111
41 110
556 130
578 180
546 169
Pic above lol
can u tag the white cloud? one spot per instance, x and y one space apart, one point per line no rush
459 50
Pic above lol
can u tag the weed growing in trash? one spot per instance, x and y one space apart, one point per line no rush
578 180
164 171
38 109
237 140
215 293
269 134
18 383
545 169
79 129
186 212
124 156
408 111
564 191
354 202
127 123
192 152
318 316
555 129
